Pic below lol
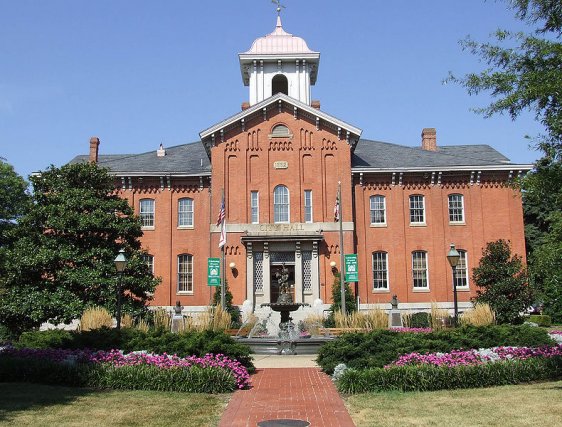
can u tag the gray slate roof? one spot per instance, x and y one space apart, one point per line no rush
186 159
181 159
384 155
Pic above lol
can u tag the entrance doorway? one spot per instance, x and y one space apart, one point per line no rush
274 280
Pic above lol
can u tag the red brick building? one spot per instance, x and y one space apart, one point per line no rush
278 163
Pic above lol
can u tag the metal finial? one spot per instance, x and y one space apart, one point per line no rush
279 6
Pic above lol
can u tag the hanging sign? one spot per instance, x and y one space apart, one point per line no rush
351 270
214 271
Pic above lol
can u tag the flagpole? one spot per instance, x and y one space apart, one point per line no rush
342 265
223 280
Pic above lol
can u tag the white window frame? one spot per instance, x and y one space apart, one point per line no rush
147 214
186 213
308 218
149 261
375 207
379 270
281 205
185 275
461 274
255 207
420 273
416 208
456 212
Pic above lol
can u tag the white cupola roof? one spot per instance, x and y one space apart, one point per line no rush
279 62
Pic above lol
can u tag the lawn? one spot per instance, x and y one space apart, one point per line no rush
521 405
41 405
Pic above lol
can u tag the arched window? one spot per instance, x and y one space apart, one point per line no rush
380 271
185 212
280 131
279 83
185 273
281 204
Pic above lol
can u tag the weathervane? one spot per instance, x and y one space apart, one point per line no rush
279 6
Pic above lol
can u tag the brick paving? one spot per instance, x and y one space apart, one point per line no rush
287 393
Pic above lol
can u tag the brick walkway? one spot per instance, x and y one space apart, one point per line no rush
287 393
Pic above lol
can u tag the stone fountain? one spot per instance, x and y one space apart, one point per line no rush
287 339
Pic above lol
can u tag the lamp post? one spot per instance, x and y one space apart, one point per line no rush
453 257
120 265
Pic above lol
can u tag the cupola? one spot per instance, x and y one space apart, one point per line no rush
279 62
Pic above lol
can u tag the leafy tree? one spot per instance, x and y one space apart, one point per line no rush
502 282
524 73
232 309
13 199
62 260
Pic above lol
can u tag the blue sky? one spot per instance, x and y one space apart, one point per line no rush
138 73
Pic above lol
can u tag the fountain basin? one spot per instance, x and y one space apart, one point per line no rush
273 345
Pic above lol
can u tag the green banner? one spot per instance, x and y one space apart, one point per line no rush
351 270
214 271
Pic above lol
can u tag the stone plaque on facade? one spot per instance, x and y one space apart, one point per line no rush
281 164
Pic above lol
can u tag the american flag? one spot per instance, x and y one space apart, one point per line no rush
221 220
337 208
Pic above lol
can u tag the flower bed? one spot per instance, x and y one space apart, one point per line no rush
139 366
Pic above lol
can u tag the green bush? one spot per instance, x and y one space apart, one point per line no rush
194 379
427 377
540 319
420 320
381 347
128 339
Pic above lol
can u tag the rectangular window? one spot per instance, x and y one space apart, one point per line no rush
149 261
456 208
419 270
461 273
417 209
380 271
185 273
378 210
307 205
147 212
185 213
255 207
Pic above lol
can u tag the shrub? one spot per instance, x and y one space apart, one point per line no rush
381 347
419 320
131 339
428 377
540 319
95 318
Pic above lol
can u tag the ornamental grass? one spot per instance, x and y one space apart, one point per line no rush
481 315
368 320
95 318
438 317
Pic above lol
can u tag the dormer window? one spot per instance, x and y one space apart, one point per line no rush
279 83
280 131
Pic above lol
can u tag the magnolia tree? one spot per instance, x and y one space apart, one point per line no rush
62 257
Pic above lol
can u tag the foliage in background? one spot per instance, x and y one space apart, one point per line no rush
416 320
132 339
14 202
62 259
524 73
381 347
502 282
350 303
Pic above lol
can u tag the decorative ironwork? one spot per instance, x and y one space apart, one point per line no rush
258 272
282 257
307 271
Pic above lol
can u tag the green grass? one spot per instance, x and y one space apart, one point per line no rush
37 405
520 405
